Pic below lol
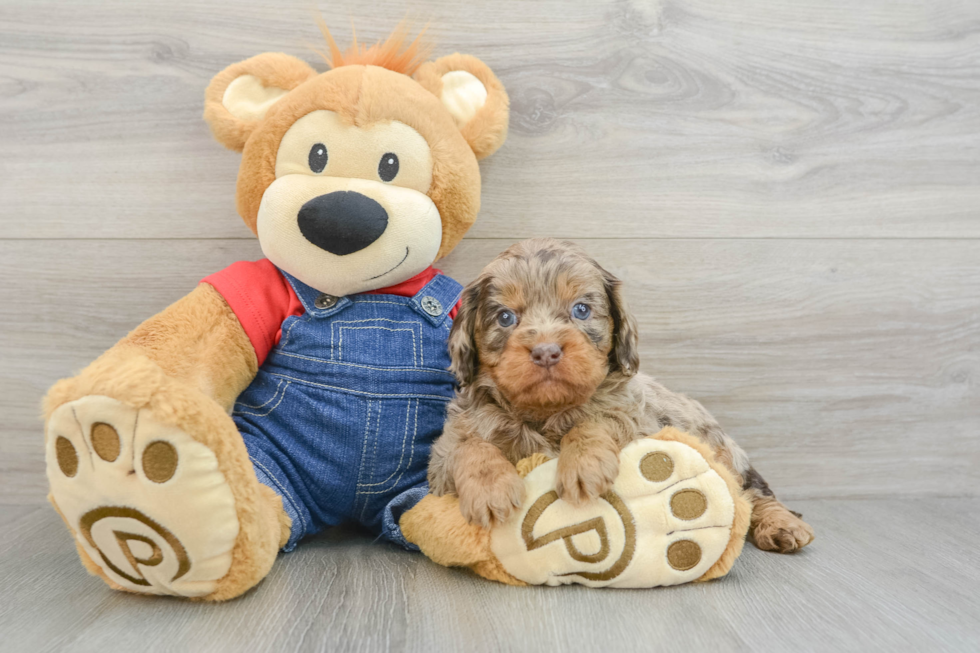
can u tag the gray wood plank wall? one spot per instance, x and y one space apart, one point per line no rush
790 189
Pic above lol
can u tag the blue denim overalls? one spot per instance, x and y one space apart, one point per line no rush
341 416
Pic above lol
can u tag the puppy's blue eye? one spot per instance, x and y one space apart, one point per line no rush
581 312
318 158
506 319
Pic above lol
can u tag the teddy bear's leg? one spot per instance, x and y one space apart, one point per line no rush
154 482
438 528
674 515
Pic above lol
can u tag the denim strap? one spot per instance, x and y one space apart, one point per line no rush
442 289
307 297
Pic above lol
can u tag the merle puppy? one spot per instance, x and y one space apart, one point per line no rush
546 356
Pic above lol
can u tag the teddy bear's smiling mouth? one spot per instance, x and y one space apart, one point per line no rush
391 270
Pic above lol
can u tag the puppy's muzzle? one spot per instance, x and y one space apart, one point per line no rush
342 222
546 355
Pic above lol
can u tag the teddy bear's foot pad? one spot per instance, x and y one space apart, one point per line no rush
666 521
144 500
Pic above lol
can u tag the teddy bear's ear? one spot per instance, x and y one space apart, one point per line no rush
238 97
473 95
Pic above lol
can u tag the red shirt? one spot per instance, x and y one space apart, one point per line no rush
262 299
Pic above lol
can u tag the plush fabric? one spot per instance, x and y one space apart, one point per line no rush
407 245
392 53
463 95
189 387
486 130
437 527
194 552
192 519
686 524
272 70
365 95
354 151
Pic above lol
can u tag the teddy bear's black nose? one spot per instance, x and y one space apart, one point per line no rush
342 222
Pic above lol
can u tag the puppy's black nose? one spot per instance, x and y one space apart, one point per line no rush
546 355
342 222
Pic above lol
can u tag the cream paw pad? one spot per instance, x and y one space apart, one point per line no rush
668 519
144 500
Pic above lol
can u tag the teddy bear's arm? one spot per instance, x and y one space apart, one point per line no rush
196 341
143 437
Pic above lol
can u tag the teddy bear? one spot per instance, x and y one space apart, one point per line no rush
286 395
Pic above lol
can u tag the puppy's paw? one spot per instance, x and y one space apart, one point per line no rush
585 474
780 530
492 497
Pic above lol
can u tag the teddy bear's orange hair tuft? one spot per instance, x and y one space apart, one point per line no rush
392 53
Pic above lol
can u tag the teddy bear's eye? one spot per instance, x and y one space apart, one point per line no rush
388 167
318 158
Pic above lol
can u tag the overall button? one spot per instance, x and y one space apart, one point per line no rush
325 301
431 306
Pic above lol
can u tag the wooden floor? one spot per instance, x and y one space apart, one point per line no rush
884 575
789 188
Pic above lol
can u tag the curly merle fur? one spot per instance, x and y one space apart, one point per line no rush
582 410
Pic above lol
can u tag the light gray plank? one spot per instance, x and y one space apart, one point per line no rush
882 575
845 368
630 118
10 514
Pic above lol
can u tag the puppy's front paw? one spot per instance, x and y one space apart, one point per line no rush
585 474
492 497
781 531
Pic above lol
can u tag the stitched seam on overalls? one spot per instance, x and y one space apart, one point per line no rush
408 410
266 414
377 436
285 493
266 402
378 319
359 392
360 471
365 384
361 301
374 459
338 323
411 455
427 370
285 340
340 349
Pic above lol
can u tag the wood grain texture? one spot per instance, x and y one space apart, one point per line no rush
790 189
631 118
844 368
882 575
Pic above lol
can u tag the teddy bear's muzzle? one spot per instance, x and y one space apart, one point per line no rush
342 222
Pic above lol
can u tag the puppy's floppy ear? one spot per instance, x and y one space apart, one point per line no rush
473 96
465 359
625 354
238 97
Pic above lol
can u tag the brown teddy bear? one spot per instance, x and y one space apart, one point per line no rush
329 354
286 395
